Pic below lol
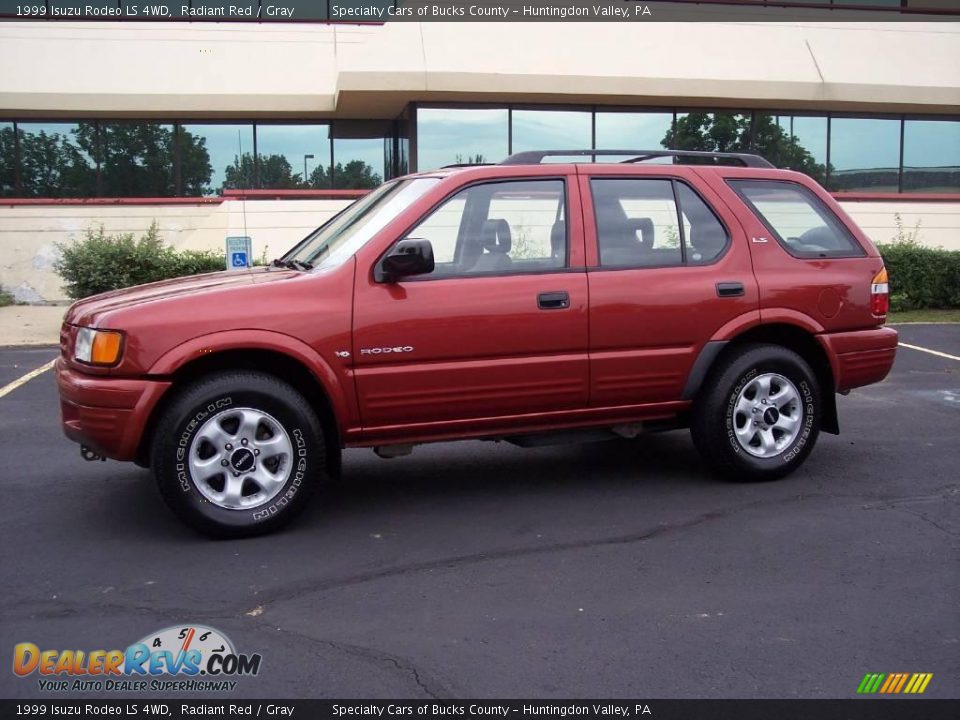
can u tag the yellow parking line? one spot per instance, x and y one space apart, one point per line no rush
9 388
932 352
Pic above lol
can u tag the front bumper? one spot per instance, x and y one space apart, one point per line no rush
107 414
861 357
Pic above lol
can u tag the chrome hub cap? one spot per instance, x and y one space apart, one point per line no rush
768 415
240 458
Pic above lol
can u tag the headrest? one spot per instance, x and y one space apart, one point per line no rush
495 236
645 227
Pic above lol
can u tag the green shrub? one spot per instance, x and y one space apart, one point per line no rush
102 262
5 298
921 277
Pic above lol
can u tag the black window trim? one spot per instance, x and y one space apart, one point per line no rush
674 181
816 202
499 273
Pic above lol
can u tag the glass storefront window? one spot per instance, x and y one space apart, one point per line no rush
137 160
632 131
931 156
552 130
446 136
360 149
721 131
864 154
794 142
8 171
57 159
216 157
293 156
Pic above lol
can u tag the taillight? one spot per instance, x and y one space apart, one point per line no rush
880 294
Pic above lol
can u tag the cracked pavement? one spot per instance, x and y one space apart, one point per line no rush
484 570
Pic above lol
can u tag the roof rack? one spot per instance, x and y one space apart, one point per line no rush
463 165
535 157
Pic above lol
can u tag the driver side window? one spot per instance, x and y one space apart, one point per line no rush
509 227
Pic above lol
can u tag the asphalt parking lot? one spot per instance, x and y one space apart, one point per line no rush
481 570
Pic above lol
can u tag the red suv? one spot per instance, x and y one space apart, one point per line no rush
513 301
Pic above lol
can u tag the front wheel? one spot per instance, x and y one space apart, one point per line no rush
237 453
758 416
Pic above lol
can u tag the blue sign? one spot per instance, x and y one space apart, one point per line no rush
239 252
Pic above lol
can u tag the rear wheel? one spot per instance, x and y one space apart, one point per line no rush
758 415
237 454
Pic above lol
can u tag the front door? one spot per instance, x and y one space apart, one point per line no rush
497 330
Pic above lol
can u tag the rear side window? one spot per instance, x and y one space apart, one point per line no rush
799 220
654 223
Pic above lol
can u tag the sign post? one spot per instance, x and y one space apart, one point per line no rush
239 252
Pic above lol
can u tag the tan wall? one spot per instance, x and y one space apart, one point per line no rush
28 234
303 70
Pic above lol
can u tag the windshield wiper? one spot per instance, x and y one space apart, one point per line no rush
292 264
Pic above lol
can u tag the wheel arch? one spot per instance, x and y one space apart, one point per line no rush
278 362
793 337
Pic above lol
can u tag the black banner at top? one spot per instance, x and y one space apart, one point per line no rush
382 11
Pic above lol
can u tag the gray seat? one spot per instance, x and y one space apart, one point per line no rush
495 242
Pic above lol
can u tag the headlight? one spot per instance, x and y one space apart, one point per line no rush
98 347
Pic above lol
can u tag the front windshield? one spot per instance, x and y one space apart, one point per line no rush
347 232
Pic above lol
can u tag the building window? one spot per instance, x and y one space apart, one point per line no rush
216 157
293 156
8 165
931 156
447 136
360 150
57 160
710 131
795 142
632 130
552 130
864 155
136 159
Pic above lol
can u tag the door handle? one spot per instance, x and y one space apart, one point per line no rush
730 289
553 300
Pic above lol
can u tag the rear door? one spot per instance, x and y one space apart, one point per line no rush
667 269
499 329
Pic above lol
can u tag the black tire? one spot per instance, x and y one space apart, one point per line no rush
714 420
186 414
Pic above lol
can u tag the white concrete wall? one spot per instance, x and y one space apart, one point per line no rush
29 234
315 70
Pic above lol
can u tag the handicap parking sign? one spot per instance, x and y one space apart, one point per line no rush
239 252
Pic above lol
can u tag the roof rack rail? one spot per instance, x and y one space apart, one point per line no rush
535 157
463 165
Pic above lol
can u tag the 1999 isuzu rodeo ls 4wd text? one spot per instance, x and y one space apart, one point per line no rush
511 301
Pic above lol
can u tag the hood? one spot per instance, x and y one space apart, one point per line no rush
86 311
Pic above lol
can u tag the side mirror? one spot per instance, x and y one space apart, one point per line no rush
412 256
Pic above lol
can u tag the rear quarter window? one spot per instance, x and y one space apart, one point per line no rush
800 221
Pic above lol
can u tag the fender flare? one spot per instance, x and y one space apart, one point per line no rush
246 339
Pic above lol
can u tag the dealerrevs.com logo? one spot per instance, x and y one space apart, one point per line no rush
180 658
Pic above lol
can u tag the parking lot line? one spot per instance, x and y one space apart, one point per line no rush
10 387
932 352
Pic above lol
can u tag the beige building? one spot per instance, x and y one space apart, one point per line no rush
216 129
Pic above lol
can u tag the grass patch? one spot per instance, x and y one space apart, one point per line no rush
928 315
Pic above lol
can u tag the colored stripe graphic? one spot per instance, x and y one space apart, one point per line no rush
894 683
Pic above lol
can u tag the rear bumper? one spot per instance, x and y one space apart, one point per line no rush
861 357
105 413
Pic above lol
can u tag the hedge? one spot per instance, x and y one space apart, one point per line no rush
102 262
921 277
